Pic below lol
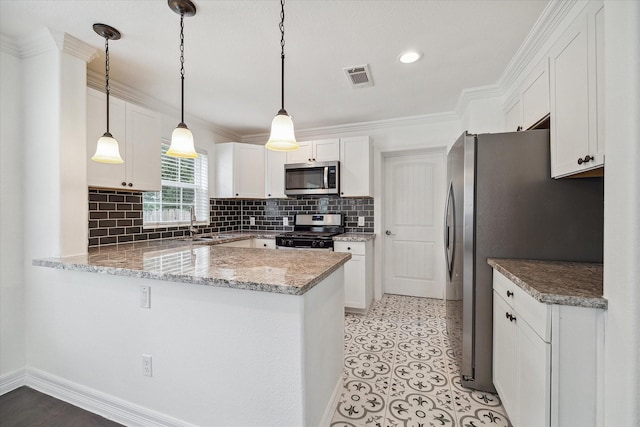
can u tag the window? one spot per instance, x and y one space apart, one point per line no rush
184 186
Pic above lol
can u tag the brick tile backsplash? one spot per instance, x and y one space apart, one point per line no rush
116 216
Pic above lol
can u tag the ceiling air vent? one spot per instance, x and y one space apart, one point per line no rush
359 76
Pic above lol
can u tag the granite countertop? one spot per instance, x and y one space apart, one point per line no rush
266 270
354 237
555 282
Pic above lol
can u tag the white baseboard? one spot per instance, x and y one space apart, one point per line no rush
108 406
325 421
12 380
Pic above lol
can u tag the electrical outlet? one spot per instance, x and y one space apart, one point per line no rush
285 221
360 221
252 220
145 296
146 365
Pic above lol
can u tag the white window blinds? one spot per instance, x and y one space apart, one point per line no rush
184 185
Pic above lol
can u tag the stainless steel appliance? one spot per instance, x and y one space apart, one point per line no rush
312 232
502 203
317 178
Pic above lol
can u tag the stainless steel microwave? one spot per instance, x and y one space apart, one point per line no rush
318 178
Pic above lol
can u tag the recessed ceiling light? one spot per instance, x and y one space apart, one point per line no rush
409 57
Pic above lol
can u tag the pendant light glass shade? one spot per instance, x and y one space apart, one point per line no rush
182 143
107 150
282 136
182 138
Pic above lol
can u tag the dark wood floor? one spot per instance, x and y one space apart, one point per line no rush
26 407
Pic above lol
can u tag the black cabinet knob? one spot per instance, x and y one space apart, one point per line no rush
264 244
519 129
309 159
509 293
588 158
130 184
236 194
124 184
580 161
269 195
348 248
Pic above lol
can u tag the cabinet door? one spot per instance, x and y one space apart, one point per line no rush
535 96
533 378
249 170
326 150
354 282
102 174
513 118
304 154
143 149
355 167
246 243
572 82
505 356
274 177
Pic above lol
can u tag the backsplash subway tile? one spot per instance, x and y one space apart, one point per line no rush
116 216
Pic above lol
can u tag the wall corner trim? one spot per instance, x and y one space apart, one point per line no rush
13 380
45 40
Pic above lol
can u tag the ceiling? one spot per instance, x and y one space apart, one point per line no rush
232 53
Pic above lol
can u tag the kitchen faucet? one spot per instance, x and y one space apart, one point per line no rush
192 218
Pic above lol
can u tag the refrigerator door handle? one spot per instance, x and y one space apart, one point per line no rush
449 229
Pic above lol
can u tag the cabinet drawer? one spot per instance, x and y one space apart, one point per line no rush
356 248
264 243
536 314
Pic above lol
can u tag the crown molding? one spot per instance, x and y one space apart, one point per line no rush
474 94
46 40
9 45
547 24
363 127
128 93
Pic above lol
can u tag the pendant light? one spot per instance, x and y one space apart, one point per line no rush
107 150
182 138
282 137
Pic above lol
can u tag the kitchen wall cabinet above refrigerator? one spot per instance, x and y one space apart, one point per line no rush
137 131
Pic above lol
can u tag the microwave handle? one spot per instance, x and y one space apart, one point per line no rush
326 177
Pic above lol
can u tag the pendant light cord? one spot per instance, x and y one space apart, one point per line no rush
106 73
182 66
282 54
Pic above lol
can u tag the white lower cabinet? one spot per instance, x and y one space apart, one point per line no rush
547 359
263 243
358 274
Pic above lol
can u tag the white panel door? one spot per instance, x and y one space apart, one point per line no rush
413 216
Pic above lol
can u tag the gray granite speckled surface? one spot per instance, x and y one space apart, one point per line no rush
354 237
266 270
555 282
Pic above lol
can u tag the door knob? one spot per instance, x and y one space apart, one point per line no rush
389 233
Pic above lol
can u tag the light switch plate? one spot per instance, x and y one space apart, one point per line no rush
145 296
360 221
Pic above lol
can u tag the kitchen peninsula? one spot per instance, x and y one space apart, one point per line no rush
237 335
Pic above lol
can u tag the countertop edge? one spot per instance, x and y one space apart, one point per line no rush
195 280
547 298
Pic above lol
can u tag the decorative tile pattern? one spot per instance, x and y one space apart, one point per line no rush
401 371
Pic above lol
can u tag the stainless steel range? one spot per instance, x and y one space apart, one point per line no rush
312 232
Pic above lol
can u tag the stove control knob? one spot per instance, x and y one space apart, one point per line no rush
322 244
314 244
291 242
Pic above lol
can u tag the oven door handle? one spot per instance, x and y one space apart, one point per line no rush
326 177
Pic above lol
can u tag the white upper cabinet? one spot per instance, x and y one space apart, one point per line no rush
322 150
240 171
355 167
137 131
576 82
535 96
274 178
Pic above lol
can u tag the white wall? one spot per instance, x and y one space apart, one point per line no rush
12 307
622 213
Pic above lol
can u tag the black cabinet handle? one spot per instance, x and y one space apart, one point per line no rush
519 129
509 316
509 293
586 159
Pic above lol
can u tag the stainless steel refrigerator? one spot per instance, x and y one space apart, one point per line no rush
502 203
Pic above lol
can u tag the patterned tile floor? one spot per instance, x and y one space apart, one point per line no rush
400 370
